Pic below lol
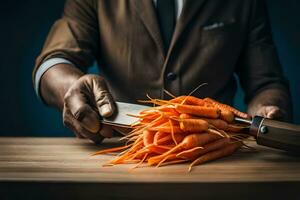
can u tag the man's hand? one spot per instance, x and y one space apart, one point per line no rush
272 112
82 99
85 102
271 103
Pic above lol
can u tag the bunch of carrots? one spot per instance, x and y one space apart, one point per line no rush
183 129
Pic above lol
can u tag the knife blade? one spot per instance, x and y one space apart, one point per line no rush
121 117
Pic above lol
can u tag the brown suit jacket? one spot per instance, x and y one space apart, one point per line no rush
213 40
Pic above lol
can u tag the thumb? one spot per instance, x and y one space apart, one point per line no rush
273 112
103 99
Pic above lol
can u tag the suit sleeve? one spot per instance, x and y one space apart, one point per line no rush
74 37
259 69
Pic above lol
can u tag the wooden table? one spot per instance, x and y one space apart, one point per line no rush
56 168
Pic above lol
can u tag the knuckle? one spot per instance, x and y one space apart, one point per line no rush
81 112
102 96
88 78
100 80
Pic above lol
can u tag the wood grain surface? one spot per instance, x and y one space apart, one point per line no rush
39 166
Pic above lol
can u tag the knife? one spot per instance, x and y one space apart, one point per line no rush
267 132
123 115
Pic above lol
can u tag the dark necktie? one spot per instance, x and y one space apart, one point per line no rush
166 18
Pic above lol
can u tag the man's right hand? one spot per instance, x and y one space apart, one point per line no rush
83 100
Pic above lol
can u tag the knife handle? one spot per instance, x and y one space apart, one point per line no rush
276 134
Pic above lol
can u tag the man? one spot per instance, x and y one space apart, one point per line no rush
146 46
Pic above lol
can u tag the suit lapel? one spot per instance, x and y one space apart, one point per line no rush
146 11
189 10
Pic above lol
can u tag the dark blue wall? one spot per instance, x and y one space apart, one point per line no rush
24 26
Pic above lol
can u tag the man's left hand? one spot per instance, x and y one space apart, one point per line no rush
272 112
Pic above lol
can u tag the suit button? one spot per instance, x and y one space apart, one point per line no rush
171 76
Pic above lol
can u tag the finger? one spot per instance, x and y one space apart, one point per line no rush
213 155
94 137
67 121
106 131
78 129
274 113
261 112
104 100
77 103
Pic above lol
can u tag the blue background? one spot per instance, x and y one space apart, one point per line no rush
24 26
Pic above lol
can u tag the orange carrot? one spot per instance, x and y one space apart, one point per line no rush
166 128
169 109
168 138
192 154
159 135
176 161
172 131
167 158
197 140
187 116
218 123
148 137
190 141
162 162
227 115
110 150
220 153
235 128
209 112
123 157
189 100
157 122
193 125
224 106
157 149
149 116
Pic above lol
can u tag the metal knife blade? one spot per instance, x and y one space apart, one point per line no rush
121 117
